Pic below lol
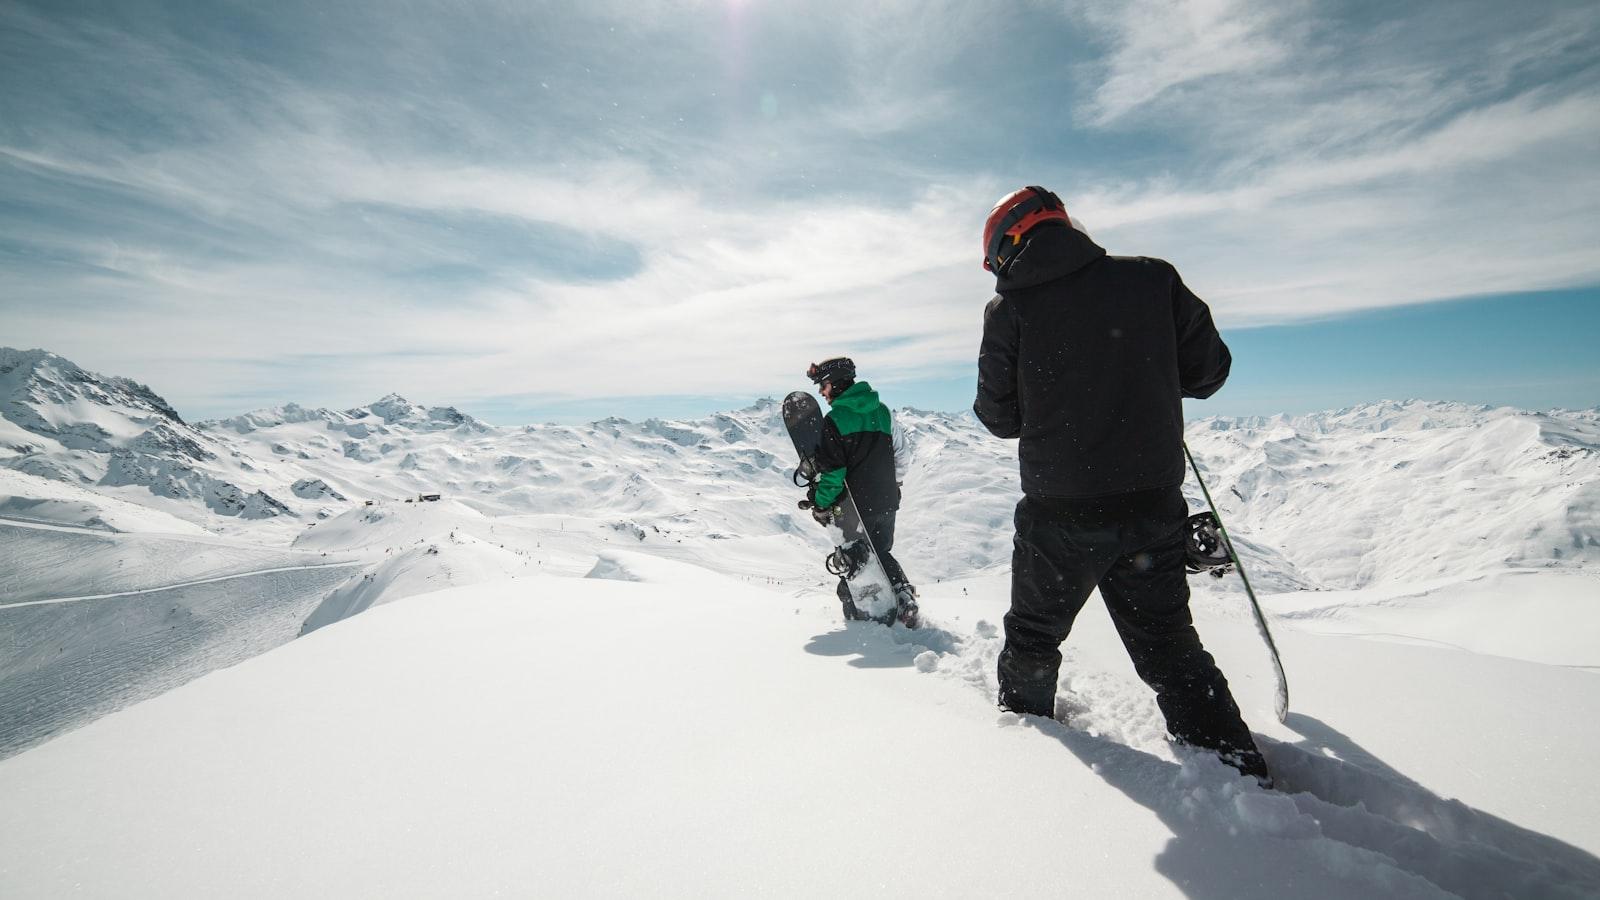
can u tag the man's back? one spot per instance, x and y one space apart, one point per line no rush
857 448
1085 359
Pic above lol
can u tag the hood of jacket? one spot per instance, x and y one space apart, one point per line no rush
859 409
1051 252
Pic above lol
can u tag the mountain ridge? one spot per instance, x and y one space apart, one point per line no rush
1388 490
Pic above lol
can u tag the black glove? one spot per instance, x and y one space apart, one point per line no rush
824 515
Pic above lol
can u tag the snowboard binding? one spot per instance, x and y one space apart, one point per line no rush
805 474
1204 549
846 561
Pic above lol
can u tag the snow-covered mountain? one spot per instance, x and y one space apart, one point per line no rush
1375 494
52 397
1378 495
64 423
625 578
1388 493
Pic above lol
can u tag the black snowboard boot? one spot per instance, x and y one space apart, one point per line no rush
905 602
1250 763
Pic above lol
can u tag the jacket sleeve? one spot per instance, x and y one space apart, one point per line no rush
833 459
1203 359
902 451
997 406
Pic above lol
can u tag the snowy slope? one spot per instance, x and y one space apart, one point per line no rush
66 660
1407 492
30 499
471 713
1538 616
725 740
53 563
419 569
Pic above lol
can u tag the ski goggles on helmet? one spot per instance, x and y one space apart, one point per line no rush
840 368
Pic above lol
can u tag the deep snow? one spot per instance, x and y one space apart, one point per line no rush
669 732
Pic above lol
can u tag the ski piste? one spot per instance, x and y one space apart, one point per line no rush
854 559
1281 698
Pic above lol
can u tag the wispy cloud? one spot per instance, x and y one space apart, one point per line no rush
1343 165
1160 45
697 199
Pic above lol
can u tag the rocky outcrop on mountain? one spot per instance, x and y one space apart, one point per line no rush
397 410
314 489
176 479
163 440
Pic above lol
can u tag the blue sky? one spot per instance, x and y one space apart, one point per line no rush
541 211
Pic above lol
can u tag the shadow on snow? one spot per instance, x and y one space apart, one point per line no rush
876 646
1368 828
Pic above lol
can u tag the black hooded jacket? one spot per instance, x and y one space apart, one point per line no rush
1086 358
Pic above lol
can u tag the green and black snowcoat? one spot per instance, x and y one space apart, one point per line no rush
858 451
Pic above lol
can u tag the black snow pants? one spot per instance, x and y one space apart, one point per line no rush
880 529
1130 546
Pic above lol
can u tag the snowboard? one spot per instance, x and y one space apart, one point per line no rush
853 558
1210 548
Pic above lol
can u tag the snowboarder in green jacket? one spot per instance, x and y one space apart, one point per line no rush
863 450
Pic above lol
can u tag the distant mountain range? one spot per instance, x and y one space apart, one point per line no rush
1386 491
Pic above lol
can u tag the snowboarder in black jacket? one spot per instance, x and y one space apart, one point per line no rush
1085 360
861 449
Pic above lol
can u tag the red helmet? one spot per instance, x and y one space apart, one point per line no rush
1015 214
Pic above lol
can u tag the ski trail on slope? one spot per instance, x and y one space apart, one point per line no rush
64 665
47 525
1354 821
182 584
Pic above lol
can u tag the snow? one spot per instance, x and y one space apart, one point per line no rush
39 562
418 569
15 440
608 662
1508 614
1391 493
66 661
28 498
387 524
723 739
